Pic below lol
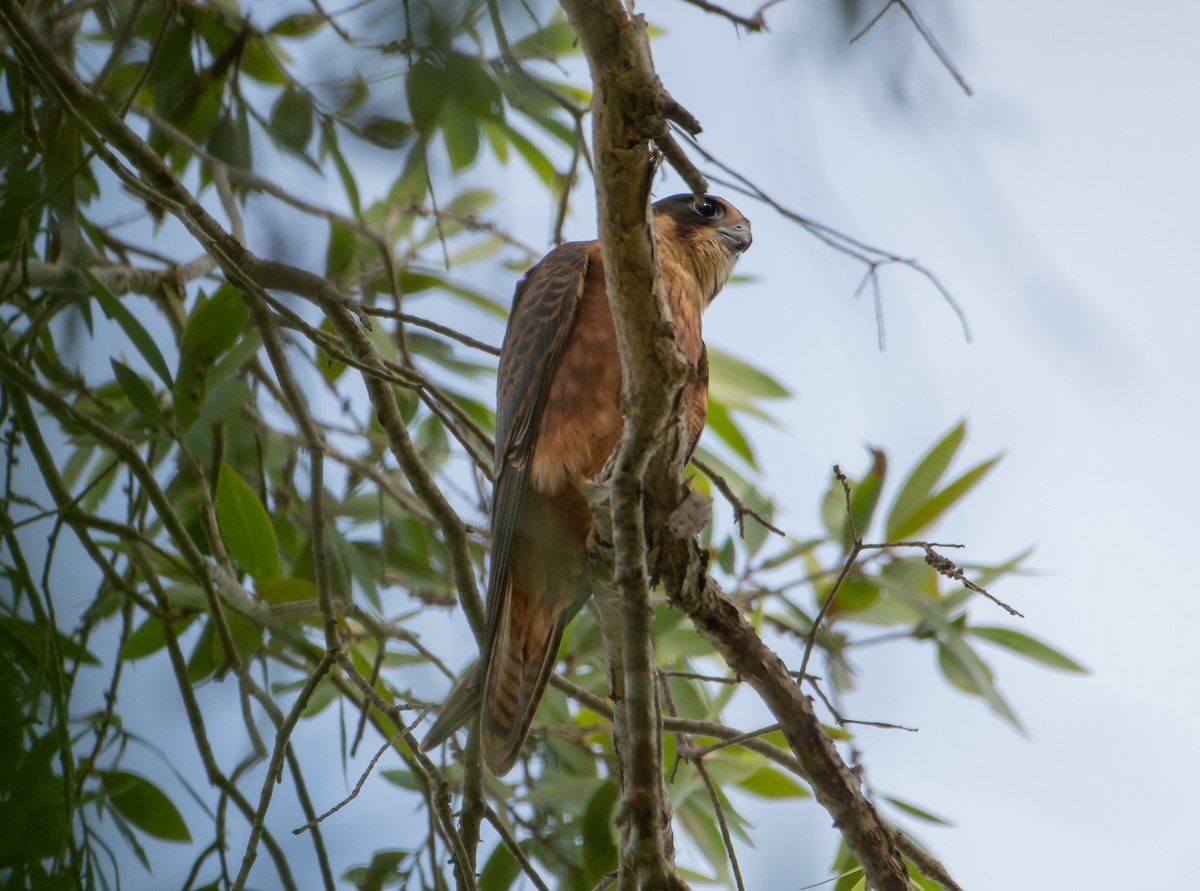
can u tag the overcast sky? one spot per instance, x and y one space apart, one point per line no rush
1059 205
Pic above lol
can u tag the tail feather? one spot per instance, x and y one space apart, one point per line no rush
461 705
523 655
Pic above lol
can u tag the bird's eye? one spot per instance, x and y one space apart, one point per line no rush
707 208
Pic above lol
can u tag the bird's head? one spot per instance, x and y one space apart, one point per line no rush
704 235
708 219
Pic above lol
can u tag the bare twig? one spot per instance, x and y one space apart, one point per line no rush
842 722
926 35
870 256
312 824
945 566
753 23
851 557
740 509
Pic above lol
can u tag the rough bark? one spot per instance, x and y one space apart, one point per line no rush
630 109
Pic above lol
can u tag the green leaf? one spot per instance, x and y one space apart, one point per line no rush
340 254
229 140
928 512
25 640
864 497
473 87
913 811
292 119
32 810
501 870
150 637
794 550
920 482
461 132
247 635
964 669
245 526
770 782
726 429
738 384
259 64
212 328
299 24
115 310
214 324
388 133
413 281
596 833
140 396
330 147
413 182
553 41
428 90
144 805
1026 646
534 156
858 592
285 590
204 659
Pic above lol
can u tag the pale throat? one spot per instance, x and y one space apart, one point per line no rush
708 263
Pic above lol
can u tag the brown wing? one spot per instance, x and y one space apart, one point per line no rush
538 328
530 585
543 312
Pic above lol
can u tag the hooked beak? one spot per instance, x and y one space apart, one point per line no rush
738 236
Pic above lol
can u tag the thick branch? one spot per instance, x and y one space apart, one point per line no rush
120 280
629 108
834 784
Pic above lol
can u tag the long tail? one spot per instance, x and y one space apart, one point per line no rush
523 654
537 588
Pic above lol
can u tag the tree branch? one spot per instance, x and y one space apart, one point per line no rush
630 109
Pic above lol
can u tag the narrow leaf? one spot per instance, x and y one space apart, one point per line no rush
115 310
140 396
920 482
298 24
726 429
769 782
1027 646
921 814
864 497
534 156
428 90
144 805
928 513
739 384
245 526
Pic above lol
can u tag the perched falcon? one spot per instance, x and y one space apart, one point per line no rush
558 419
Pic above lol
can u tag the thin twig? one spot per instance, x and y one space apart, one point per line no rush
833 238
753 23
842 722
925 33
740 508
945 566
851 557
357 786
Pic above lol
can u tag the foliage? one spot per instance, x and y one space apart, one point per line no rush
166 514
